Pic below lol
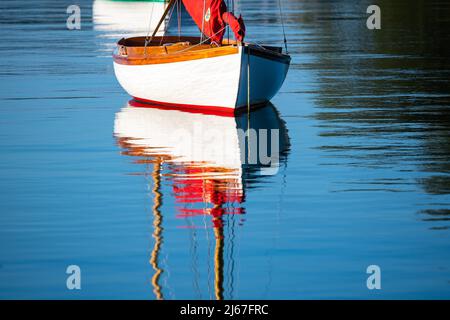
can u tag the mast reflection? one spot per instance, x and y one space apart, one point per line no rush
157 228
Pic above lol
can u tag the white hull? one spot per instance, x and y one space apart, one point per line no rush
215 82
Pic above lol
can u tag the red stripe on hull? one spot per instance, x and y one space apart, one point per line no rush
208 110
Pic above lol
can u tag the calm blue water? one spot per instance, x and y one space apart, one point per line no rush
363 177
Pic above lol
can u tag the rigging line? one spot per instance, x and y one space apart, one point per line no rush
282 25
228 27
166 11
248 103
200 43
150 22
179 18
168 21
149 28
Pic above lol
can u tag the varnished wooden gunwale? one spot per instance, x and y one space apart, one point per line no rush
168 49
182 54
132 51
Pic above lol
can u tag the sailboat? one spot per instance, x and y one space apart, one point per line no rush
198 73
207 171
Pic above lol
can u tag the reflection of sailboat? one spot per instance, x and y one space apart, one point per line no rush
128 17
205 158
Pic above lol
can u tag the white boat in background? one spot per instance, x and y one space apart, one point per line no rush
128 17
197 73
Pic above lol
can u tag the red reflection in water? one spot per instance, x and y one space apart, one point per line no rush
200 185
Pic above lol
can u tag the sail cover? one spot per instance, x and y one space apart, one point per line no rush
211 16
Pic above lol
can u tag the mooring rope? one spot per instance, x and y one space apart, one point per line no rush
282 25
248 102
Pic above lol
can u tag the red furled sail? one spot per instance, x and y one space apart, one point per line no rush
211 16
